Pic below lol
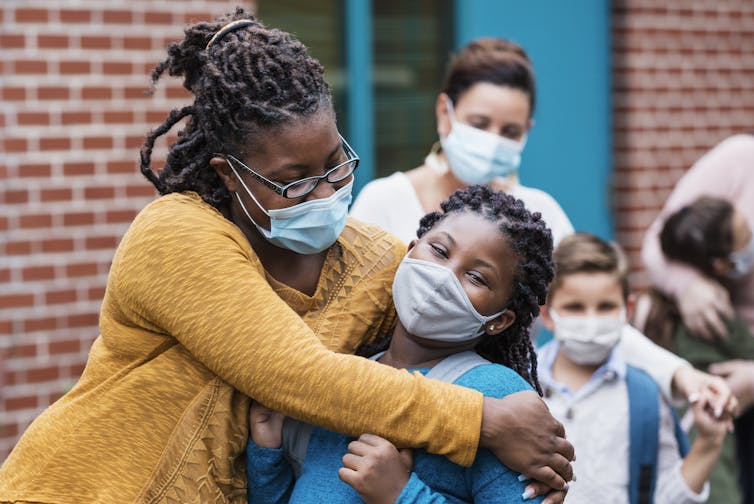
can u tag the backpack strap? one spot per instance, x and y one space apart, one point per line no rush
452 367
644 429
296 434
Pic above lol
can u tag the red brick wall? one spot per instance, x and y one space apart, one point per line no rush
73 115
683 75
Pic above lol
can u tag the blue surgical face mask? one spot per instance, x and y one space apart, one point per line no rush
476 156
743 261
306 228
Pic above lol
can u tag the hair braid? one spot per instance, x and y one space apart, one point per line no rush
246 80
531 241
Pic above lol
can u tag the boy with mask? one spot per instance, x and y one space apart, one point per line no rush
629 444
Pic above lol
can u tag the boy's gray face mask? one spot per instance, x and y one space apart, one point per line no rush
432 304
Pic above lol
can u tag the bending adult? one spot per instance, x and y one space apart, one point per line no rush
704 303
484 114
244 279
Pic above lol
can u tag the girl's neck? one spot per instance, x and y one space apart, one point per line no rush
407 352
572 374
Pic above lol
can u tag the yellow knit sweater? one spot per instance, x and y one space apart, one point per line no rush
191 326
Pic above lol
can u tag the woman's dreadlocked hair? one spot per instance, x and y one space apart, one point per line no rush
248 78
531 240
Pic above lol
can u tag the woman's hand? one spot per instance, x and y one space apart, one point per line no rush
715 391
376 469
739 375
704 306
522 434
266 426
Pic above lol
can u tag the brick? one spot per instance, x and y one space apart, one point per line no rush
64 347
18 248
55 143
122 167
99 192
9 430
31 15
53 41
83 320
4 278
177 92
78 168
33 273
35 221
95 293
78 219
13 93
15 145
120 216
42 374
29 66
34 170
33 118
12 41
40 324
153 17
119 117
117 68
145 190
76 117
53 93
137 43
117 17
74 67
96 93
21 403
75 16
15 197
101 242
98 142
24 351
59 194
96 42
16 300
81 269
135 93
57 245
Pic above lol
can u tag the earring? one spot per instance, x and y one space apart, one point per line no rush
492 328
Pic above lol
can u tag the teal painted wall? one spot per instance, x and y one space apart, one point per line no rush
568 153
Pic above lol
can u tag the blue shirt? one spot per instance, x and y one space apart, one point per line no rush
434 478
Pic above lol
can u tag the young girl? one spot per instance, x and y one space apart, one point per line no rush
472 282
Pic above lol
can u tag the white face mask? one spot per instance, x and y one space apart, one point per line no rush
432 304
476 156
588 340
743 261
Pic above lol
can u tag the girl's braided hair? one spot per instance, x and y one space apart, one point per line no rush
247 79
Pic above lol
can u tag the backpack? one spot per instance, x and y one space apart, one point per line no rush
644 433
296 433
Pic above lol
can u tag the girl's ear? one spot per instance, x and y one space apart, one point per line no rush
721 266
225 173
544 314
501 323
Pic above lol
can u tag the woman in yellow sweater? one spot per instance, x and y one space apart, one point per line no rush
246 279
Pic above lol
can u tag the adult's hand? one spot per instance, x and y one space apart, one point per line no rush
266 426
716 393
522 433
739 375
704 306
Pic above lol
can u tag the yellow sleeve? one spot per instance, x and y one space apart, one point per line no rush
188 272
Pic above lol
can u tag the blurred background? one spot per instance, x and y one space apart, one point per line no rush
630 94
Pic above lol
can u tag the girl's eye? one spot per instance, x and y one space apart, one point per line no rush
476 278
606 307
439 250
572 307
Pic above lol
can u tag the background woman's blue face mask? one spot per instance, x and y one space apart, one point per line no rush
476 156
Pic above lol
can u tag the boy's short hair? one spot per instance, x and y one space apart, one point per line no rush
586 253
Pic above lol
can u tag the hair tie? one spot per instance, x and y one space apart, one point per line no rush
232 26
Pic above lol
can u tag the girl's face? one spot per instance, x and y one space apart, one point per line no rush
501 110
479 255
283 154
